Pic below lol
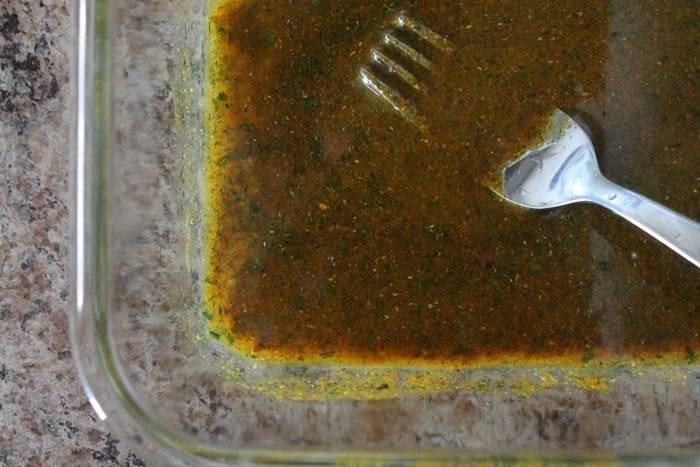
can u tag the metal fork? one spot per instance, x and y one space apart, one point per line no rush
402 69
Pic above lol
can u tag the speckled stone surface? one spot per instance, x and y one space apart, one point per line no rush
45 418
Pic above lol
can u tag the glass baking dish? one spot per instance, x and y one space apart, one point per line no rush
151 368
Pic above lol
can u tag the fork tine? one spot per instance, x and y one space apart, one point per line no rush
407 50
433 38
386 92
399 103
394 67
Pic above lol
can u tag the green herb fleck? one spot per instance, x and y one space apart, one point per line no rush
309 104
223 160
271 38
690 355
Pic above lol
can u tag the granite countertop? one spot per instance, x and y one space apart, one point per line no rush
44 413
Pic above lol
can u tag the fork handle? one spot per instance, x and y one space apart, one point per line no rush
676 231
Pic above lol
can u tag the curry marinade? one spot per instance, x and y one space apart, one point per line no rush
337 231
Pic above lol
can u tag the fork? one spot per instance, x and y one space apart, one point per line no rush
401 67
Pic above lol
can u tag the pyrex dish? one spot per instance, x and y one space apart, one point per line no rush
150 367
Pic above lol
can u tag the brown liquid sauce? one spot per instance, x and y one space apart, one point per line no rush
338 231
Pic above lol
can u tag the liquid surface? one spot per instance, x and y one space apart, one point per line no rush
339 231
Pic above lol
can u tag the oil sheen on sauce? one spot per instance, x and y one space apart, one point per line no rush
337 231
